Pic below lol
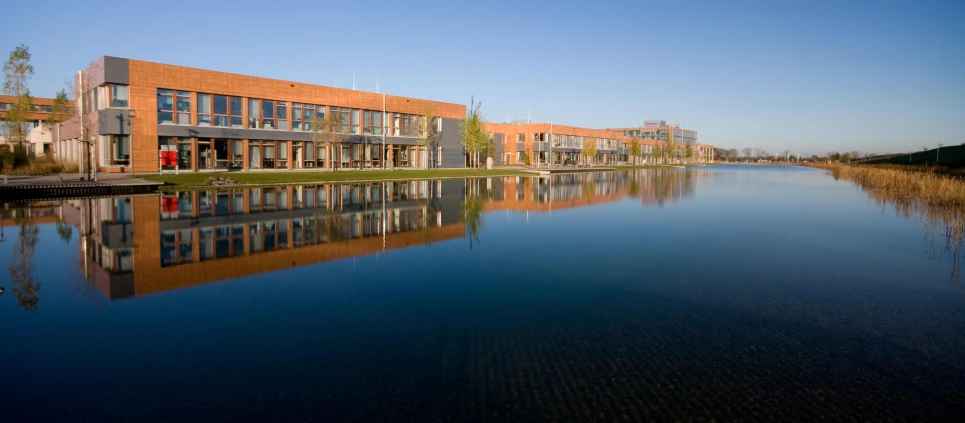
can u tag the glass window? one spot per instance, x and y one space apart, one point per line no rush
297 117
119 95
204 109
254 155
184 107
237 154
165 106
184 153
220 110
309 116
121 150
269 152
236 116
345 116
281 113
282 155
355 121
267 114
371 122
254 113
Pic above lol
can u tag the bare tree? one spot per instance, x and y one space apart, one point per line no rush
328 131
747 153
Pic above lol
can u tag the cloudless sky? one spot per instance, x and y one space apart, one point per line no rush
807 76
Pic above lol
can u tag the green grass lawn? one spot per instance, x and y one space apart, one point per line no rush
192 179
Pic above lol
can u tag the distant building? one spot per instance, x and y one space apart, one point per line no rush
39 135
659 130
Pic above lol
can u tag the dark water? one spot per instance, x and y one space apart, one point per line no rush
717 294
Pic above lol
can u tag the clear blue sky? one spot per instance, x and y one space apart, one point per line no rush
809 76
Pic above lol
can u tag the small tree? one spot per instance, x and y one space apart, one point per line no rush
635 149
328 131
589 149
657 152
471 130
473 211
689 152
669 150
61 108
17 71
428 133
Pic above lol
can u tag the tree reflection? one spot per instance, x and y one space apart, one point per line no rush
25 285
472 211
64 230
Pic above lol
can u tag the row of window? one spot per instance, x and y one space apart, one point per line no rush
208 153
174 107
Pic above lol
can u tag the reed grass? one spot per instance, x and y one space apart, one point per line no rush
43 166
936 198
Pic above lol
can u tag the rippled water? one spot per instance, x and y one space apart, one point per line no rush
710 294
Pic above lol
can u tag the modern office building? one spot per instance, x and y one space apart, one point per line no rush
211 120
660 131
534 143
217 120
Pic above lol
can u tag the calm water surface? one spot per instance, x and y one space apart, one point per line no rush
719 293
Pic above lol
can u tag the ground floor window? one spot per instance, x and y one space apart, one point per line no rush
120 150
263 155
303 155
228 154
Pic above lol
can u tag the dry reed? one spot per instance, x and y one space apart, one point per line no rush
44 166
939 200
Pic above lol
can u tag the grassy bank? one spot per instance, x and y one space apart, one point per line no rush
192 179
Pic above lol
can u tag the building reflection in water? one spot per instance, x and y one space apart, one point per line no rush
138 245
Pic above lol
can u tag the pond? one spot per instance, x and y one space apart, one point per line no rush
753 293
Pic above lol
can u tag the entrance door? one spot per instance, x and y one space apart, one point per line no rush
204 155
221 154
298 155
254 155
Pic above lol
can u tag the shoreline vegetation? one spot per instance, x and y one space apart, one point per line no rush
935 197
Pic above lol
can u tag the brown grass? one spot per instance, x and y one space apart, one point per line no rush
44 166
938 199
